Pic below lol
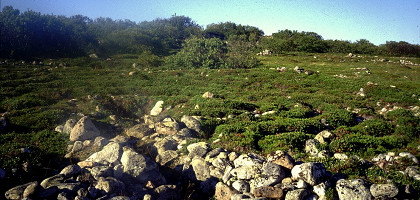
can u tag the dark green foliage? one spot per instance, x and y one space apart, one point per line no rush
406 123
340 117
294 141
374 127
366 145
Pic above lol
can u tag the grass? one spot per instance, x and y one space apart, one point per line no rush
37 99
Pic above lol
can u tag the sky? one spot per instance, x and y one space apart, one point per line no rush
375 20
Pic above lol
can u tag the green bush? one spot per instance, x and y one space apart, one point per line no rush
284 141
374 127
340 117
406 123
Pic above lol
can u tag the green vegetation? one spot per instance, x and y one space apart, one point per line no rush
258 107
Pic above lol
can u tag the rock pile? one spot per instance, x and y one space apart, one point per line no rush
130 166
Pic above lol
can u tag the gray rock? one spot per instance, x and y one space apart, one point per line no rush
298 69
249 160
264 180
31 190
166 157
100 142
199 149
118 171
71 170
166 144
216 172
200 168
139 131
324 136
59 128
321 189
69 188
192 123
208 186
227 174
281 158
241 186
101 171
220 163
84 130
311 147
111 153
208 95
167 127
110 185
3 123
53 181
312 173
353 189
120 198
269 192
272 169
157 109
141 168
215 152
384 191
224 192
69 125
298 194
48 193
246 172
341 156
77 146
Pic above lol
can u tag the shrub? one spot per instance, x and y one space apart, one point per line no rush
285 141
340 117
406 123
374 127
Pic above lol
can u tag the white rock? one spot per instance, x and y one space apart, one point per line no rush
157 109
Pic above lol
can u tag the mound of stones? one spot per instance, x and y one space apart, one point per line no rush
131 166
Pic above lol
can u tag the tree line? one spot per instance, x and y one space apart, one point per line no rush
29 34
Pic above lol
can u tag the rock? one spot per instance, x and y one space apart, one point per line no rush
191 123
139 131
167 127
311 147
101 171
227 174
298 69
281 158
224 192
208 95
324 154
48 193
198 149
409 155
298 194
111 153
93 55
167 192
141 168
77 146
312 173
309 72
31 190
100 142
166 157
216 172
69 125
165 144
110 185
71 170
384 191
157 109
84 130
249 160
17 192
246 172
269 192
341 156
321 189
353 189
3 123
59 128
215 152
69 188
272 169
264 180
132 73
241 186
53 181
200 168
324 136
232 156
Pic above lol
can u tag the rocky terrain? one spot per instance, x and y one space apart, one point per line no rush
161 159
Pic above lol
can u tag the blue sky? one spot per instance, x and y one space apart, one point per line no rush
375 20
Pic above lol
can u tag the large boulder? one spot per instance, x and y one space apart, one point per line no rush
141 168
269 192
167 126
201 169
111 153
353 189
199 149
18 191
84 130
312 173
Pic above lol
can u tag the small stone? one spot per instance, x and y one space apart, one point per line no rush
312 173
71 170
241 186
208 95
353 189
341 156
281 158
157 109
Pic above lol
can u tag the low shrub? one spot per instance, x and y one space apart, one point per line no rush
374 127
